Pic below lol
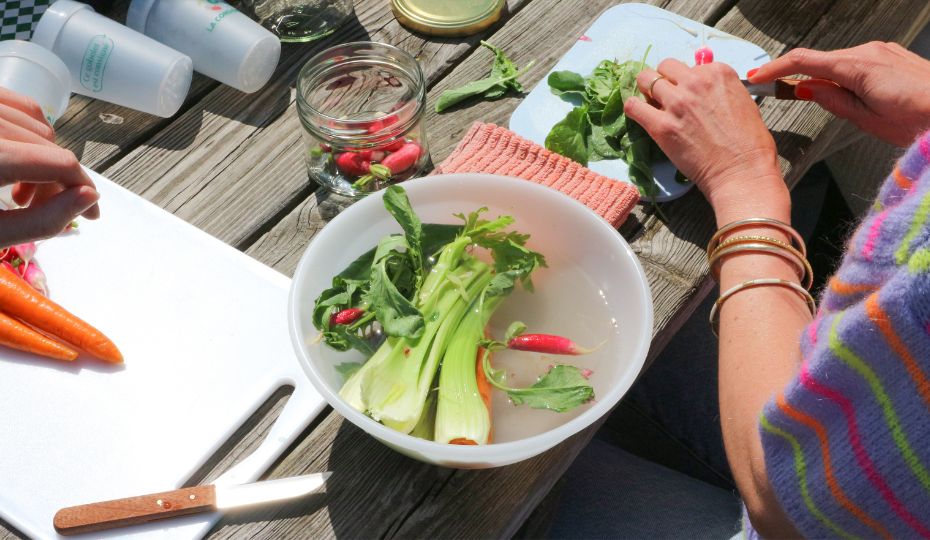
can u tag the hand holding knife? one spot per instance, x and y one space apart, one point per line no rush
780 88
181 502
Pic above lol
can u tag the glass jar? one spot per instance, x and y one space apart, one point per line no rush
300 20
361 106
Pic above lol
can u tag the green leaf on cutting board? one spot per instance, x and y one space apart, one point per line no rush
569 137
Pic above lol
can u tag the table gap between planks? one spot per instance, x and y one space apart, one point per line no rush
231 164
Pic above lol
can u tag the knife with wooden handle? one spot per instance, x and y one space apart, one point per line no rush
779 88
102 516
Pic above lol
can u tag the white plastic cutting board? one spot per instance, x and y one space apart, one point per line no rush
624 32
203 329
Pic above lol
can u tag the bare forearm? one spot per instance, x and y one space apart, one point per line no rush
759 329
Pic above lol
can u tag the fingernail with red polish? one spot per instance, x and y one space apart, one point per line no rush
803 93
751 72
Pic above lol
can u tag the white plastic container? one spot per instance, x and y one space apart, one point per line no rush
33 71
223 43
111 62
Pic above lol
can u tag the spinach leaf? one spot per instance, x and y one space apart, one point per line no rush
397 203
681 178
389 245
603 145
565 82
569 137
437 235
341 295
342 339
613 118
562 389
503 75
503 67
397 315
638 158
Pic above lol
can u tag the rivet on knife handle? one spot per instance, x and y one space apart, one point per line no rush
135 510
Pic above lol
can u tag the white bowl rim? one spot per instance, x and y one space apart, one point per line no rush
484 455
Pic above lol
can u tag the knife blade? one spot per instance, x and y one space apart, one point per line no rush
106 515
779 88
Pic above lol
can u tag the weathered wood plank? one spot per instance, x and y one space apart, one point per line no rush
337 445
250 170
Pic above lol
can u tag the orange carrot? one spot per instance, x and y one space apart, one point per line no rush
463 441
20 300
483 387
18 336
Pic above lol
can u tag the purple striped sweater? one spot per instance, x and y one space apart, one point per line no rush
847 443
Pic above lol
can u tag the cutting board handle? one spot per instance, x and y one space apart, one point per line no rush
302 407
135 510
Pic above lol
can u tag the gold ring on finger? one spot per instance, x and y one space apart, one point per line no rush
653 83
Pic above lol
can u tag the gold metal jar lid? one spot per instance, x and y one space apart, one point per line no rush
448 17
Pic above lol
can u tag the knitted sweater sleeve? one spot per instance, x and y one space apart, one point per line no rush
847 443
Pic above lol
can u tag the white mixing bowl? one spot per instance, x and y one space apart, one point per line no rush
594 291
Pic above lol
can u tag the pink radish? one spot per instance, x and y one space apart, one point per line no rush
544 343
393 146
346 316
394 164
25 251
9 267
703 55
35 277
372 155
353 164
403 159
375 127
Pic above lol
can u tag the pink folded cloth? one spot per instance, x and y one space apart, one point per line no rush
490 149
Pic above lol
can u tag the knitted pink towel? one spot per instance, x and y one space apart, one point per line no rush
487 148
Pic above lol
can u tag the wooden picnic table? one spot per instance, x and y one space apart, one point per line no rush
231 164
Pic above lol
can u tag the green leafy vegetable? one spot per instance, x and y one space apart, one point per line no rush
397 314
503 78
561 389
397 203
569 137
503 68
566 82
599 129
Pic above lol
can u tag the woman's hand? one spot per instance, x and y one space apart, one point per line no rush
47 180
886 88
708 125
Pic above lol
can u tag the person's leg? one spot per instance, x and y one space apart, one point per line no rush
637 499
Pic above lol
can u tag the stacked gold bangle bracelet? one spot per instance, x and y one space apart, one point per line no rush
717 250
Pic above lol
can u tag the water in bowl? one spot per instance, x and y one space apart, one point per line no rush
566 303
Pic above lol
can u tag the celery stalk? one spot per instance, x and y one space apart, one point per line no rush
395 388
352 389
448 260
461 413
439 345
427 423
